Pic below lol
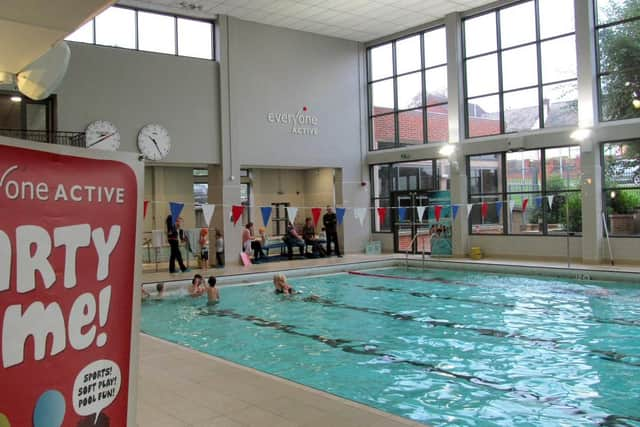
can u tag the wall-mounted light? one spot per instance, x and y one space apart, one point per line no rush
447 150
16 98
636 103
581 135
613 195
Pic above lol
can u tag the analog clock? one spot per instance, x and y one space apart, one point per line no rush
102 135
154 142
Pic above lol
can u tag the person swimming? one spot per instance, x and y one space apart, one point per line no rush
213 297
196 288
281 286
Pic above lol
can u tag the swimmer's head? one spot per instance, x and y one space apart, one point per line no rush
196 278
160 287
212 281
279 277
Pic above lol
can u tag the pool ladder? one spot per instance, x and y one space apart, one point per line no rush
411 246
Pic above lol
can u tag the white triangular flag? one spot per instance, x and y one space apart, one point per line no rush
360 214
207 211
550 200
512 204
469 206
292 212
421 210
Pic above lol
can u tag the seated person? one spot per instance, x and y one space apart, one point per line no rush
212 293
280 284
309 235
292 238
250 242
196 288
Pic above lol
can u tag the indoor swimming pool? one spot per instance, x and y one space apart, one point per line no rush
436 346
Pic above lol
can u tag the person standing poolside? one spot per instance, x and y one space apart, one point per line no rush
174 243
213 297
330 222
204 248
196 288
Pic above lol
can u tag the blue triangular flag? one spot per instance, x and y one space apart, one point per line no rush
498 207
538 202
402 214
175 209
266 214
455 210
340 214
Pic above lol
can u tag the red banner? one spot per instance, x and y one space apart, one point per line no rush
236 213
315 213
67 254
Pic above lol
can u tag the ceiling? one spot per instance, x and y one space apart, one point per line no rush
359 20
28 28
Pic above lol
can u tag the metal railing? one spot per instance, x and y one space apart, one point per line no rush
411 246
75 139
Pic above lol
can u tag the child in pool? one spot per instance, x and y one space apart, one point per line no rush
281 286
213 297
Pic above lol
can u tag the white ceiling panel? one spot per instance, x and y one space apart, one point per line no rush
359 20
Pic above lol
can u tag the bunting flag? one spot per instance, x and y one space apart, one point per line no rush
525 202
455 211
438 212
469 207
538 201
382 213
266 214
175 208
402 214
550 201
236 213
315 213
512 204
360 214
340 214
421 210
207 211
498 207
291 213
484 210
144 210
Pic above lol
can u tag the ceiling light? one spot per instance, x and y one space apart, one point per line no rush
580 134
16 99
636 104
447 150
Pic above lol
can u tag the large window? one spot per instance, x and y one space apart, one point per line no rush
618 39
621 187
520 68
526 192
151 32
427 175
408 91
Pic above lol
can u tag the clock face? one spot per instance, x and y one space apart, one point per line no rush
102 135
154 142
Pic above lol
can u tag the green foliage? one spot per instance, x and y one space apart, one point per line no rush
558 212
625 202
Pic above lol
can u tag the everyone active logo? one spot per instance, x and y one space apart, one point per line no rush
301 123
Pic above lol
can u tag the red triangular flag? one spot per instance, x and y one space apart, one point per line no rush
382 213
315 213
524 204
144 211
438 211
485 209
236 213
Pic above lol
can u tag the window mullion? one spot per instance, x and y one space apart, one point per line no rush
541 115
500 85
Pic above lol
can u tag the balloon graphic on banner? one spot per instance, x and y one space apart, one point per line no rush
292 213
144 215
236 213
340 214
266 214
484 210
402 214
360 214
4 421
315 213
175 208
49 410
438 212
420 210
382 213
455 211
525 202
498 207
207 211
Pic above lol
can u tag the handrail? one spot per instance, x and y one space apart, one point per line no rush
76 139
411 245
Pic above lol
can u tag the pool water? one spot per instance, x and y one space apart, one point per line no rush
446 348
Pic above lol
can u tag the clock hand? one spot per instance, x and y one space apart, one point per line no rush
156 144
99 140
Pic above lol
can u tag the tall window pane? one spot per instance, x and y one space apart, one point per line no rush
156 33
435 47
410 127
116 27
521 110
383 129
485 174
524 171
410 91
621 187
559 59
381 62
436 83
519 68
482 75
517 24
556 17
408 54
560 104
382 97
484 116
480 34
195 38
83 34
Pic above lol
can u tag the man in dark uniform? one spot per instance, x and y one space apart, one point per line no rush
174 243
330 222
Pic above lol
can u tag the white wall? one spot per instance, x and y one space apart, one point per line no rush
132 88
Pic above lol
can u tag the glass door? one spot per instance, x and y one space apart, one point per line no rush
406 223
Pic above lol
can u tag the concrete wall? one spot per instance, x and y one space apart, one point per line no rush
131 89
164 185
281 71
